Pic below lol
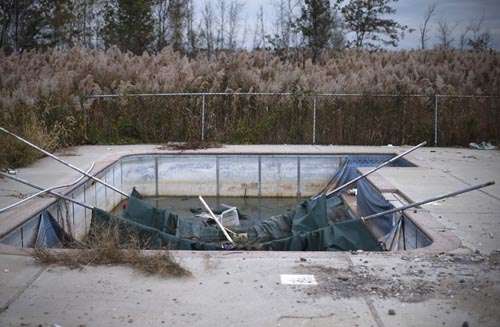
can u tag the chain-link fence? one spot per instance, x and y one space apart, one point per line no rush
291 118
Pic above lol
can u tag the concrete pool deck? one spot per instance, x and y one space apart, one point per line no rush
239 288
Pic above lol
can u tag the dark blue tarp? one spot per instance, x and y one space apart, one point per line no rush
49 234
369 200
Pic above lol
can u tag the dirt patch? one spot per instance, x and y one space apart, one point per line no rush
360 281
191 145
412 279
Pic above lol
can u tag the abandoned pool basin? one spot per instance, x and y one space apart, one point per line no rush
225 175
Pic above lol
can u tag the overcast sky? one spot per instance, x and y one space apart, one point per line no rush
457 13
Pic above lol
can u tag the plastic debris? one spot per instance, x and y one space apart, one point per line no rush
482 146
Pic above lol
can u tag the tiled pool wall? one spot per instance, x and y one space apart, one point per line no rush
266 175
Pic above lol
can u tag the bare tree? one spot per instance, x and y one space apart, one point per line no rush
424 29
445 34
463 39
160 14
480 39
176 23
285 35
221 23
207 33
235 9
192 37
259 38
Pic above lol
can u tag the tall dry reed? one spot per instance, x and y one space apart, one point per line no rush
42 96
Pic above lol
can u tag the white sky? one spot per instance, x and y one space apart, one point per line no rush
409 12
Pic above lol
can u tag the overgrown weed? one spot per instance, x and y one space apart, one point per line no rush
107 247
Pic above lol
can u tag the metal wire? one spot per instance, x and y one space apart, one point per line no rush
67 164
47 190
22 181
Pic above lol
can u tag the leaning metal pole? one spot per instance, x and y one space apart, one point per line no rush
22 181
436 198
47 190
219 224
352 181
64 162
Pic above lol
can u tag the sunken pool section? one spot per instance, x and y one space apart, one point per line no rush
259 185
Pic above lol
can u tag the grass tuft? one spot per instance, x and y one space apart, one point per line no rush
105 248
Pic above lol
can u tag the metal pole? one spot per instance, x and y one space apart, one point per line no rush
374 169
22 181
203 118
85 119
436 120
18 203
314 120
216 220
67 164
436 198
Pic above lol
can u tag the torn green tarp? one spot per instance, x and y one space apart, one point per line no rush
144 213
305 229
308 229
155 238
308 216
349 235
141 212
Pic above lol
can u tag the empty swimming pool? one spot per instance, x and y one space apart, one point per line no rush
264 178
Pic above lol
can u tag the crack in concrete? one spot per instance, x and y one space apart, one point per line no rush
469 184
373 311
307 317
21 291
369 302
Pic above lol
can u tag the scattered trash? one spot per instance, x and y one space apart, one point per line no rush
228 217
216 219
353 191
482 146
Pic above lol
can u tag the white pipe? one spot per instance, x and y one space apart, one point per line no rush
22 181
67 164
216 220
352 181
18 203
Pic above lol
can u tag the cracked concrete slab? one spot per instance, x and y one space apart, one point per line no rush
367 289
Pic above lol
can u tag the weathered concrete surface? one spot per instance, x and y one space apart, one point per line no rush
17 273
244 289
473 217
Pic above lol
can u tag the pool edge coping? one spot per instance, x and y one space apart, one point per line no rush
442 239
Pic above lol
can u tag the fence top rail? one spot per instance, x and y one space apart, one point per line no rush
306 94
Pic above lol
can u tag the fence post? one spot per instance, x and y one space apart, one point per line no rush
314 120
436 120
85 118
203 117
